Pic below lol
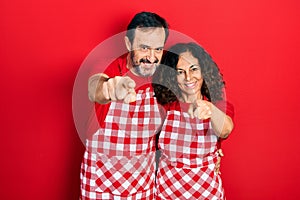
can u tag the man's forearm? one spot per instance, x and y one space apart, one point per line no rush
95 85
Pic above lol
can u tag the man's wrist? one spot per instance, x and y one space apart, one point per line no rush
99 96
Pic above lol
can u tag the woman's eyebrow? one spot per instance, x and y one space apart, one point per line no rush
191 66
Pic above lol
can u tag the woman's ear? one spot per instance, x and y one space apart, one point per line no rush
127 43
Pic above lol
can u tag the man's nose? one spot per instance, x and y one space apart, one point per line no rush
151 55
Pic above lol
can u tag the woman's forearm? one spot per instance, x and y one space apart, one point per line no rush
221 123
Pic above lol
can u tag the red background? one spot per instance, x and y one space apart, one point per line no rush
43 43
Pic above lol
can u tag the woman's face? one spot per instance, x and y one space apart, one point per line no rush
189 76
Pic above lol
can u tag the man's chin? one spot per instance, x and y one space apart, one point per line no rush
145 72
148 72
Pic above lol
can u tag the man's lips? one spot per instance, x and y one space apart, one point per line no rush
148 65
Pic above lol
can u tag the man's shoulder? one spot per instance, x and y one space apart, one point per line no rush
117 67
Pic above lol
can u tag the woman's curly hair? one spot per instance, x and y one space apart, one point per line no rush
165 84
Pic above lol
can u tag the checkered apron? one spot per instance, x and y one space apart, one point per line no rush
186 168
119 162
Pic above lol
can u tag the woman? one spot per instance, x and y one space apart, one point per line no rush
191 88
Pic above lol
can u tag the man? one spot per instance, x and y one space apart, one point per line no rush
119 161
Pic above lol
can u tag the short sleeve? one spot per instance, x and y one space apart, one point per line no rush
226 107
117 67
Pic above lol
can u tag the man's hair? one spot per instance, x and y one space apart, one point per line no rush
146 20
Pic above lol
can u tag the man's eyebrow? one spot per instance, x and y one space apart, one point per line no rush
144 45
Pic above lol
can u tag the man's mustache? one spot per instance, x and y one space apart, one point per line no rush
145 60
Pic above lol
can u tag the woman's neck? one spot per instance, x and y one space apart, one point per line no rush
191 98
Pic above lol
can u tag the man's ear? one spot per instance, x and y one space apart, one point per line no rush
127 43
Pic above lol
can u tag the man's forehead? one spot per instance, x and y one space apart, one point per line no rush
152 37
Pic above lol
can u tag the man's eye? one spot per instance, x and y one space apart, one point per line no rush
179 72
144 48
158 50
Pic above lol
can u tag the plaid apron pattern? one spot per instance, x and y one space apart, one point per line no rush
119 162
186 168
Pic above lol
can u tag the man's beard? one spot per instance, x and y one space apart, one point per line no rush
140 70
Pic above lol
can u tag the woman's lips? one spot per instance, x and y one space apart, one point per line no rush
190 85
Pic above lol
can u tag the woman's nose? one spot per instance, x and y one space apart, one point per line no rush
187 75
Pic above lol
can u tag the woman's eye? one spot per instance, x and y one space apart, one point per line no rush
195 69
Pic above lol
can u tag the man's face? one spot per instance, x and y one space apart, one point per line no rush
146 50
